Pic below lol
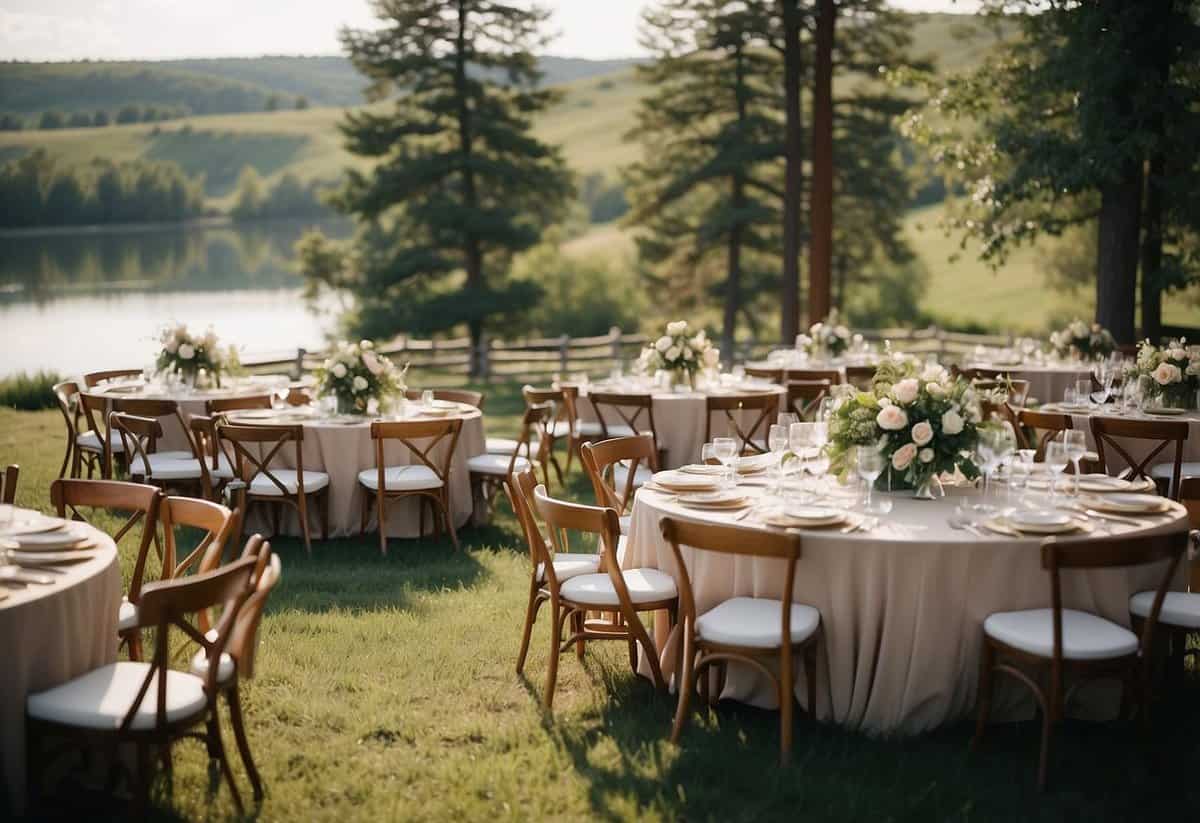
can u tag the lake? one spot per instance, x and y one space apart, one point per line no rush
84 300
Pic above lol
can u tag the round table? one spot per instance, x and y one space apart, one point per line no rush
191 402
342 447
902 606
1047 381
1081 419
50 634
679 417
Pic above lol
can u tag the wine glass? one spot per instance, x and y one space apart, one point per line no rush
786 419
1083 389
819 437
707 456
280 392
1055 460
825 409
799 441
427 398
725 449
1075 443
1024 463
1004 445
869 464
985 449
777 441
1070 396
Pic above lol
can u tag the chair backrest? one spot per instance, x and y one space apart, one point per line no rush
66 394
775 375
1017 390
243 643
228 404
535 425
141 502
421 438
633 410
211 518
733 406
804 397
722 539
833 376
168 603
95 414
600 461
983 373
564 409
1108 553
860 376
520 486
95 378
158 409
8 484
1108 432
139 439
299 396
249 463
1044 426
471 398
562 518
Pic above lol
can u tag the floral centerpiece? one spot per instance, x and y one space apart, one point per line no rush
681 353
923 420
1081 341
186 354
826 337
356 374
1171 373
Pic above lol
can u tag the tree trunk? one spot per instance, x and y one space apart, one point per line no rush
733 279
1152 244
820 212
789 315
1117 252
472 252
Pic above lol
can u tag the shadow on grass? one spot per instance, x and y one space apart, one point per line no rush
727 766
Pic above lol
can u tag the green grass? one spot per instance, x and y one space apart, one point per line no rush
386 690
29 391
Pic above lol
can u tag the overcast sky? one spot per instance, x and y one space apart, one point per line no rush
160 29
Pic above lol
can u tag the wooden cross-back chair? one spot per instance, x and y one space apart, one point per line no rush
93 379
1017 390
860 376
220 406
427 480
490 472
470 398
832 376
299 396
775 375
547 569
78 447
213 519
8 484
271 485
621 594
626 415
565 424
1083 645
149 705
97 436
783 629
804 397
141 503
1037 428
612 466
1108 432
139 438
165 411
730 407
216 463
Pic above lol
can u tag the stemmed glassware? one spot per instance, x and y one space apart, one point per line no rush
777 441
869 464
1056 460
800 443
725 449
1075 444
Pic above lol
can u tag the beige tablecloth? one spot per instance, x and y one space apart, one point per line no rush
343 450
679 418
48 635
1138 448
902 609
1046 382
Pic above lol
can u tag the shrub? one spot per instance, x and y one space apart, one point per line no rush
29 392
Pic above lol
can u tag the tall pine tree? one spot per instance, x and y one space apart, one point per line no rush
459 182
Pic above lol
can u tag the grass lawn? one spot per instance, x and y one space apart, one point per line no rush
386 691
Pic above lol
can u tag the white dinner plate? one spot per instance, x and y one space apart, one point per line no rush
22 558
1164 412
680 482
752 464
1039 519
715 500
32 523
1129 503
806 517
703 469
70 536
257 414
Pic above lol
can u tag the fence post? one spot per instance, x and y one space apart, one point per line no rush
564 349
298 371
615 334
485 360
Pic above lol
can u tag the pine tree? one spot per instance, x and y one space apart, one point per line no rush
460 182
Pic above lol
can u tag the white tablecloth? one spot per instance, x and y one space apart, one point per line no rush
901 606
1046 382
1139 449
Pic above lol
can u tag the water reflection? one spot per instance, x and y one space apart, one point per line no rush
80 300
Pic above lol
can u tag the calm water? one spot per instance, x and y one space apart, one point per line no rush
76 302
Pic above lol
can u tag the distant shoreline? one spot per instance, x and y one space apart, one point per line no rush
213 222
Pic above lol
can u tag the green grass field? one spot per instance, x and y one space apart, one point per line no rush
386 691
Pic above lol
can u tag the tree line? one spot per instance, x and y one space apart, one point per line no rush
127 114
36 191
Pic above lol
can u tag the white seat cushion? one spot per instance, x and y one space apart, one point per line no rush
1180 609
1085 635
587 429
401 478
199 663
164 467
1166 471
101 698
567 566
756 622
501 445
127 615
496 464
313 482
640 478
174 455
645 586
90 441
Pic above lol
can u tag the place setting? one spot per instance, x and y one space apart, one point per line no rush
32 545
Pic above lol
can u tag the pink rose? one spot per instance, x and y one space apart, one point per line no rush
1166 374
922 433
903 456
891 418
906 391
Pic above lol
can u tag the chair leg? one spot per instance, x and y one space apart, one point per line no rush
445 505
323 513
787 704
381 512
239 735
218 747
987 660
685 682
578 620
810 679
302 507
530 616
555 642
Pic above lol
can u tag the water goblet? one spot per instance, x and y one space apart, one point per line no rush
786 419
799 442
1075 442
1070 396
1055 460
777 441
426 399
868 461
725 449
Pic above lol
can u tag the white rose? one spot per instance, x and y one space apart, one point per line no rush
885 402
171 346
1166 374
922 433
1079 329
952 422
339 370
712 357
671 353
906 391
935 390
698 342
372 362
925 455
891 418
360 383
677 328
663 343
933 373
903 456
1176 354
187 351
366 344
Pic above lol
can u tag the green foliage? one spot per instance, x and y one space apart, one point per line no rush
460 182
129 114
289 197
603 200
11 122
29 392
35 192
222 155
51 120
100 118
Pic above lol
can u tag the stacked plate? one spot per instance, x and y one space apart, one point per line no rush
1164 411
1129 503
678 481
439 408
1097 483
716 500
807 517
1037 521
35 539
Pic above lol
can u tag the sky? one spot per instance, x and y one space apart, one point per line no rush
163 29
